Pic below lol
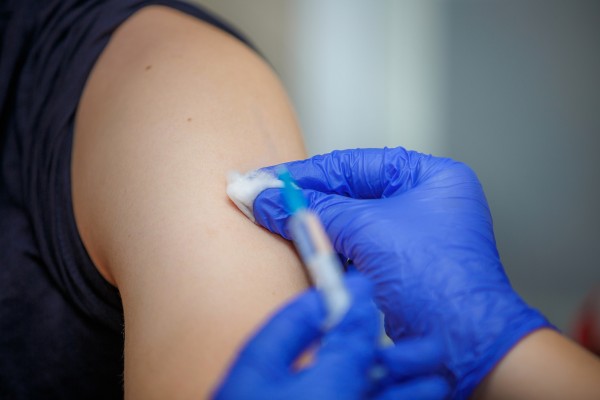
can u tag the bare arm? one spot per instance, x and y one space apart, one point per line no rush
544 365
171 106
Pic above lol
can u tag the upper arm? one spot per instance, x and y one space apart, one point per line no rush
170 107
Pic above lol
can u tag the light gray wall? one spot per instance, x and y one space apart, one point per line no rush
523 108
360 73
509 86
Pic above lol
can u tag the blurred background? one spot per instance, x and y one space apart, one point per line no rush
512 87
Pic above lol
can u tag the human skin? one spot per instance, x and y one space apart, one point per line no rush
544 365
170 107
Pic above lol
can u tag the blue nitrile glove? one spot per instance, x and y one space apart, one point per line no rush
420 228
340 370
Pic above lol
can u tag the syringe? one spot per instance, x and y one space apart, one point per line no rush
323 264
316 251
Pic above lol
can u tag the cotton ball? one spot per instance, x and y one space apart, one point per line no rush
243 189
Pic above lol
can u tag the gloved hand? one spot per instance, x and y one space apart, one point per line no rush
420 228
264 368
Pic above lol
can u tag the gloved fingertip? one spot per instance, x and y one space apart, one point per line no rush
270 212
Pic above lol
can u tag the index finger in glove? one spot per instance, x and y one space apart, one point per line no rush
357 173
271 212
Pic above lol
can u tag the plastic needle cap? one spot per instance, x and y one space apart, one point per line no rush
292 195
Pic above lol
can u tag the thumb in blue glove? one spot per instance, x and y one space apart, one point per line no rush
264 368
420 228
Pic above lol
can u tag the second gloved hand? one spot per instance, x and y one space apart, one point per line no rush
420 228
340 369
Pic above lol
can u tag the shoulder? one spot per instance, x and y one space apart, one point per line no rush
173 92
171 106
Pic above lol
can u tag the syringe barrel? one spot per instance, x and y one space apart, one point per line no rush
322 262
